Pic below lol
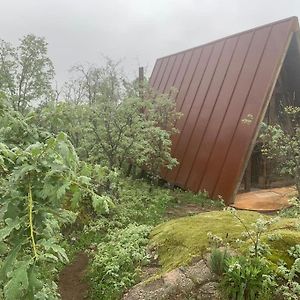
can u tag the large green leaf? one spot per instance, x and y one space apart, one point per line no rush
17 286
9 262
10 226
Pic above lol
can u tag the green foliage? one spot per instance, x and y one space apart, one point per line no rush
91 84
16 129
113 122
288 278
247 278
254 232
202 199
136 201
133 132
115 261
26 72
293 211
217 261
38 183
255 276
282 142
68 118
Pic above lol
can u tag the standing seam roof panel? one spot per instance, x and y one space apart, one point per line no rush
199 129
209 140
187 56
236 104
209 70
190 97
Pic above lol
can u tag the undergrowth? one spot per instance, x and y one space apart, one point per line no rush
117 241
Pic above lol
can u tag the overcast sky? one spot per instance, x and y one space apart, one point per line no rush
136 31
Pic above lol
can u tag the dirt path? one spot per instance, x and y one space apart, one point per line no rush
71 279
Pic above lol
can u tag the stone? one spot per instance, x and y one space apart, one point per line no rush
199 273
209 291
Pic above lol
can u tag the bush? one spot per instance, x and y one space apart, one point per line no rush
288 278
282 143
116 261
247 278
217 261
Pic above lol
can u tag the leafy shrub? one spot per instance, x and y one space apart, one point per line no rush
130 131
247 278
136 202
39 187
288 278
202 199
253 233
115 261
292 211
217 261
282 142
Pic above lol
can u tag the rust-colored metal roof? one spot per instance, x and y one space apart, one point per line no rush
219 84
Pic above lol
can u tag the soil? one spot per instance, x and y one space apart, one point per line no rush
183 210
72 285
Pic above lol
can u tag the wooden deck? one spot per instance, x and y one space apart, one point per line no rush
266 200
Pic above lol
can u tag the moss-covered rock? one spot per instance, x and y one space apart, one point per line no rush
179 241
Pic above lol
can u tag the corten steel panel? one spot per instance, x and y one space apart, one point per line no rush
234 108
180 85
197 131
155 72
209 140
219 84
187 104
168 70
174 72
157 80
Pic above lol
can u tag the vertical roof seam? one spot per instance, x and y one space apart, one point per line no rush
159 62
164 72
212 49
167 171
242 110
184 96
230 99
160 74
213 108
207 91
173 66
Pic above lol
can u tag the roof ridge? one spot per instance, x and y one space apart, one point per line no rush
293 18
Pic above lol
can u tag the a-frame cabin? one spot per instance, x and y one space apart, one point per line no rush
221 84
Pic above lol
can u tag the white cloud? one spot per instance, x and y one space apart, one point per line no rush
138 30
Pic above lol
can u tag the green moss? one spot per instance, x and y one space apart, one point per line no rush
180 240
286 239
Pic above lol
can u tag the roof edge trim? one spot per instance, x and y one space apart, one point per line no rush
293 18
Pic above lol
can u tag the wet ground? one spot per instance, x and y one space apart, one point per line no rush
72 284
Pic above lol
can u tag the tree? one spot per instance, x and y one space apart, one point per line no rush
26 72
95 83
42 183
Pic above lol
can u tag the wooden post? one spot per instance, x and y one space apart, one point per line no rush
141 95
141 81
248 176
